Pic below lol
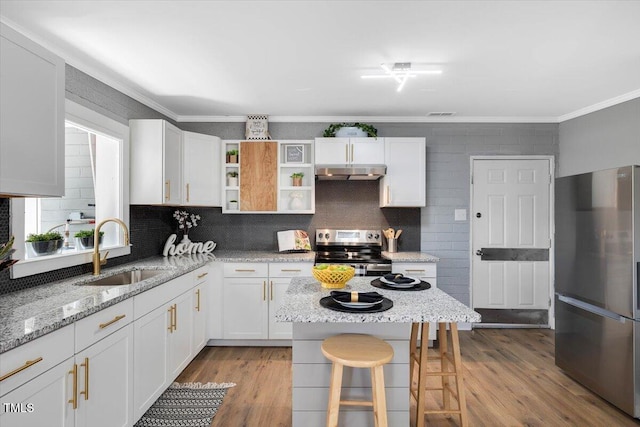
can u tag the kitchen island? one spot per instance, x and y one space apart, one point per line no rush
312 323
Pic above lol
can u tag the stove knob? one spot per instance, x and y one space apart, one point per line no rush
369 236
320 236
326 236
376 236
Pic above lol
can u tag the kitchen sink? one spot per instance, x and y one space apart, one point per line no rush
125 278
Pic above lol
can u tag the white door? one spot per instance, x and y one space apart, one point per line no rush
246 310
200 172
180 339
278 330
366 151
511 233
331 151
172 164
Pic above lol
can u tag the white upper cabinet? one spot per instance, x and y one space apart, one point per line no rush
156 157
201 173
341 151
404 185
172 167
31 118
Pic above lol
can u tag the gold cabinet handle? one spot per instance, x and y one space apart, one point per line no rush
26 365
271 290
74 396
167 186
352 152
264 290
346 153
187 192
175 317
170 328
85 365
200 276
294 270
249 270
388 195
112 321
198 300
414 271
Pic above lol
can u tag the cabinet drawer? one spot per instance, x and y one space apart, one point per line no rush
290 269
147 301
200 275
21 364
93 328
415 269
246 269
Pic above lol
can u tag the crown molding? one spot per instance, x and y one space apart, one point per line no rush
600 106
99 75
371 119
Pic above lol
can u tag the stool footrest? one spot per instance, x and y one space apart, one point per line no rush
442 411
356 403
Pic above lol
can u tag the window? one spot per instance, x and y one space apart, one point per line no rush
96 187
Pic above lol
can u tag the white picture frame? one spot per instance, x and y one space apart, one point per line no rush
257 127
294 153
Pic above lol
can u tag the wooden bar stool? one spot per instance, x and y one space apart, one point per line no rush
357 351
450 366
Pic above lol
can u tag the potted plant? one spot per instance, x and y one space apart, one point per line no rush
44 244
232 156
232 179
233 205
6 250
85 238
296 179
350 129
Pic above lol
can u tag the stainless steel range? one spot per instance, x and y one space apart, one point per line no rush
362 249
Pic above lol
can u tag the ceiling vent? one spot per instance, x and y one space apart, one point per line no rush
441 114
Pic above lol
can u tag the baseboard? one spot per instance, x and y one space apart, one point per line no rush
249 343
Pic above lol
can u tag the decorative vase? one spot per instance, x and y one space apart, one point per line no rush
297 181
232 181
185 239
232 206
295 204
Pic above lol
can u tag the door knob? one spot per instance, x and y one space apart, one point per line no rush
478 215
479 252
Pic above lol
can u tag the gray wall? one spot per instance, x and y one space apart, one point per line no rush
603 139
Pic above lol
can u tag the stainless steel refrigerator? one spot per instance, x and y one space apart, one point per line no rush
597 302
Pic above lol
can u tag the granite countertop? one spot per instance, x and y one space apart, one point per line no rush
34 312
301 304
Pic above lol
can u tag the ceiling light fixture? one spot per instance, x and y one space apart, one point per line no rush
400 72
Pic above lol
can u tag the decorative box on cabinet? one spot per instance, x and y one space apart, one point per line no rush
404 184
32 114
341 151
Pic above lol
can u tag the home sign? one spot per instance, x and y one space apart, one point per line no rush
187 247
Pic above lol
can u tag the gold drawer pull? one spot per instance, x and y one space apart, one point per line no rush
187 192
198 300
415 271
112 321
26 365
85 365
74 397
249 270
167 185
293 270
200 276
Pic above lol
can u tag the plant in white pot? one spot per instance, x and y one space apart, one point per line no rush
44 243
232 205
232 179
350 130
85 238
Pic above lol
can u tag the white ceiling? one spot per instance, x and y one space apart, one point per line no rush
302 60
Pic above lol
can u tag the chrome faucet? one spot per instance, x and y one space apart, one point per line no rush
97 261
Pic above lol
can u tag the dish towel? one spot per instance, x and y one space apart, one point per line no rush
398 278
342 296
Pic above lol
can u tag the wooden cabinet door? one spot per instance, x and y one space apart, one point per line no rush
258 176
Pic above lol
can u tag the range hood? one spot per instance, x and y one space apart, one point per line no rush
350 172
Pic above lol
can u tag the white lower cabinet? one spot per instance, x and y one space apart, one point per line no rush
42 401
105 381
199 308
179 344
252 295
426 271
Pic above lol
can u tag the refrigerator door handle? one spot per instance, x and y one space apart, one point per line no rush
592 308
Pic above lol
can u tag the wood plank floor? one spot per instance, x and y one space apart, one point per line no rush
510 379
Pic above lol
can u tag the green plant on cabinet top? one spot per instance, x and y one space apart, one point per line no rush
334 127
